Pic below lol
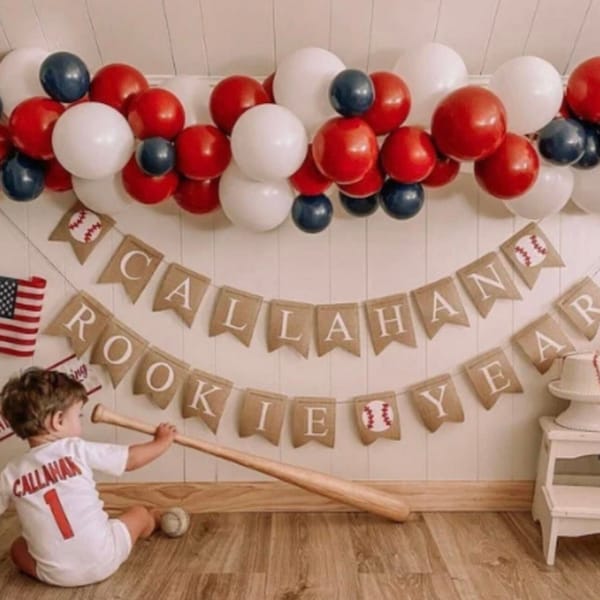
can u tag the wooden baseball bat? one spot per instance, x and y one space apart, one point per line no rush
341 490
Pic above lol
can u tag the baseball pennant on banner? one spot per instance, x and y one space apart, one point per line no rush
262 414
132 265
81 321
204 396
486 280
181 290
290 324
83 229
492 375
437 402
543 341
313 420
581 306
235 312
6 430
337 327
79 371
439 303
530 251
377 417
390 320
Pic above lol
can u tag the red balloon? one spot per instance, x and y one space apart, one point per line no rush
511 170
370 184
203 152
5 143
116 84
308 180
582 90
232 96
198 197
156 113
445 171
469 123
147 189
56 177
391 105
31 124
345 149
408 155
268 87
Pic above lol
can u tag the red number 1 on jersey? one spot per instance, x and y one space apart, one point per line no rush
53 501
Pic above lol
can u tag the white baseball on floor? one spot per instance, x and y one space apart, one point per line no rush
175 521
85 226
530 250
377 415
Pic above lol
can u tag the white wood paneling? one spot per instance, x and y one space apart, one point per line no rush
351 32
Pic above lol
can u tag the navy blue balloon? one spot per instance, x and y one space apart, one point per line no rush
22 178
65 77
155 156
359 207
351 93
591 153
312 214
562 141
401 200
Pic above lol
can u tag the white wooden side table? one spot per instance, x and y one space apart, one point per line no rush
564 510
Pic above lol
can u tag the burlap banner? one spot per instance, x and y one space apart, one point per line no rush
530 251
82 229
313 419
377 417
262 414
337 327
235 312
437 402
581 306
181 290
290 324
492 375
439 303
133 265
390 320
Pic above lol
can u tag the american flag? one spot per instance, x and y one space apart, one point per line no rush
20 311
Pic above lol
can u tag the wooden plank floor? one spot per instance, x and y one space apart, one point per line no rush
343 556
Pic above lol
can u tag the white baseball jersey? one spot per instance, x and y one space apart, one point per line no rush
54 493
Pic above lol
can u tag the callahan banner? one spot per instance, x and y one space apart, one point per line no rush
390 320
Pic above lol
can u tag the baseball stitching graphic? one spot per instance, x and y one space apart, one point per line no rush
85 226
531 250
377 416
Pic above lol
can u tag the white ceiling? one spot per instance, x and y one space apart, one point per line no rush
220 37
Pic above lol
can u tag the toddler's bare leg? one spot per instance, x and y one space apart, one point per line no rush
140 521
21 557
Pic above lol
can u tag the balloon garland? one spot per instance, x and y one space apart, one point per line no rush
265 151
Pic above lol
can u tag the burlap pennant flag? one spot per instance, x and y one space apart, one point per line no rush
377 417
81 321
390 320
182 290
133 265
235 312
439 303
83 229
313 419
290 324
542 341
262 414
437 402
530 251
118 348
159 376
486 280
581 305
492 375
204 396
337 327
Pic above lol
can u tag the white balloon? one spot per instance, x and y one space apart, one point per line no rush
106 196
20 76
585 190
531 90
302 82
268 142
431 71
194 94
92 140
254 205
547 196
